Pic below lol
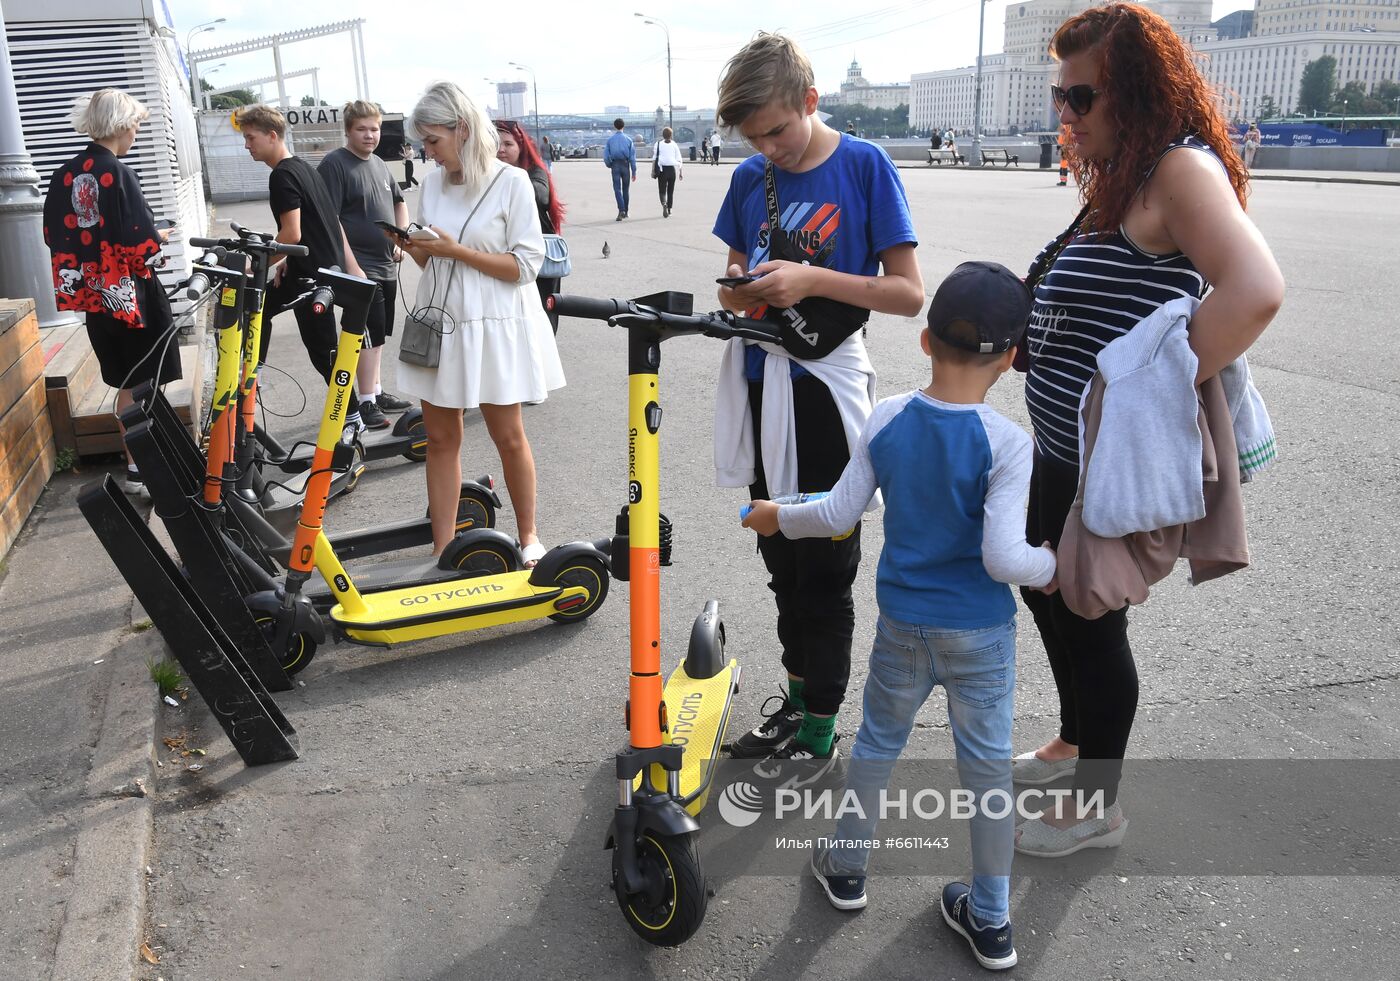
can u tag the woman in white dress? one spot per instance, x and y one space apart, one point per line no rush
497 347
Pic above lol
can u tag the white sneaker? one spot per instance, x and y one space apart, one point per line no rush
135 487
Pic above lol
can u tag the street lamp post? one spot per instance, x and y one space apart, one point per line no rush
975 158
648 19
1344 117
194 71
535 87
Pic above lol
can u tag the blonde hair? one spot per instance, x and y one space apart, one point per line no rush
357 110
770 68
446 105
269 119
107 112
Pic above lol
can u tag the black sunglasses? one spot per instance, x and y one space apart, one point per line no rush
1080 98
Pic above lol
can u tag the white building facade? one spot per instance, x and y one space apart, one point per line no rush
856 91
1310 16
1016 83
1246 70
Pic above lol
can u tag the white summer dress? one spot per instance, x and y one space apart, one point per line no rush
497 344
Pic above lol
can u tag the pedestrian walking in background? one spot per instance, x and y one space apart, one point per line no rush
1252 140
408 179
620 156
715 143
705 149
668 162
546 154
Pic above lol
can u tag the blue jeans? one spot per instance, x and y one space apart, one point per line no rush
977 668
622 184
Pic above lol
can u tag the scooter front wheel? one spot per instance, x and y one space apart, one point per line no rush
474 510
417 431
671 903
469 553
299 651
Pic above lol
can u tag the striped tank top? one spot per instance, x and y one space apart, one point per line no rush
1099 287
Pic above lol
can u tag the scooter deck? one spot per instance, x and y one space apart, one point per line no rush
423 611
698 711
379 577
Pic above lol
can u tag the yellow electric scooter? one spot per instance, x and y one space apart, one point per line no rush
675 733
478 580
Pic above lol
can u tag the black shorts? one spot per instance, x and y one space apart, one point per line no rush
381 313
129 356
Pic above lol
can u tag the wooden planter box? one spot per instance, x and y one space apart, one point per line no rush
27 451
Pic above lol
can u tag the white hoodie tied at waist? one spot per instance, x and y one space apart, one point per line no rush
846 372
1145 472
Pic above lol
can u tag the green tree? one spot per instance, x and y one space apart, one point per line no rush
308 100
1354 95
1268 108
1315 87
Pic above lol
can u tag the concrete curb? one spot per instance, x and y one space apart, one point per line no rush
104 925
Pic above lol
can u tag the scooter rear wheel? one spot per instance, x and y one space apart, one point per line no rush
592 575
418 449
474 510
672 903
487 558
300 647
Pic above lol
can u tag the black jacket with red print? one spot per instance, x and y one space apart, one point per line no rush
101 232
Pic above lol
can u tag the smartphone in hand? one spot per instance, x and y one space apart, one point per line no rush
164 223
733 281
389 226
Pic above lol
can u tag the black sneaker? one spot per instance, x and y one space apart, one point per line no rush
991 945
846 892
390 403
777 728
795 766
372 417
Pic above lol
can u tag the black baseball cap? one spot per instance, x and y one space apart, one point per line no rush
988 297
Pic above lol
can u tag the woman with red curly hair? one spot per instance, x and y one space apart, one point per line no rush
517 149
1164 194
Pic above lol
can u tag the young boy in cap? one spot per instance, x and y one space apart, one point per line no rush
955 475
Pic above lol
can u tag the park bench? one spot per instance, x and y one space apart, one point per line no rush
1000 155
938 156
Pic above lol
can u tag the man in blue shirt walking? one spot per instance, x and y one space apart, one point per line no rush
619 156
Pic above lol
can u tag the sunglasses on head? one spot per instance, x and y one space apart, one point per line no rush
1080 98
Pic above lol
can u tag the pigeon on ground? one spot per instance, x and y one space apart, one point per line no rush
606 251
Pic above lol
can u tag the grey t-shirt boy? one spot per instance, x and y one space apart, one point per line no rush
364 192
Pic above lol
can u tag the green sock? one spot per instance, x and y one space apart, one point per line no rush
795 699
817 733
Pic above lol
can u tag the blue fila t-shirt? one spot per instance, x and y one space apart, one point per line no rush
844 212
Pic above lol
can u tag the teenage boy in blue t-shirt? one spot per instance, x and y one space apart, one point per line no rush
787 415
955 475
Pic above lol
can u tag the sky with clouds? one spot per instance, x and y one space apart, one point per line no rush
588 54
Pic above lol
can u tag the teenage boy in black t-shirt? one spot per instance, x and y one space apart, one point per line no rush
305 216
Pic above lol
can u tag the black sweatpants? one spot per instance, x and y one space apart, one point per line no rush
666 186
1091 660
319 333
811 577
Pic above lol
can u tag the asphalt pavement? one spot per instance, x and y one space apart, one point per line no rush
446 817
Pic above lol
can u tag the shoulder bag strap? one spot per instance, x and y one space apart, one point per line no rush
453 272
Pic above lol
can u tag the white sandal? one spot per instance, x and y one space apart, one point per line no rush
1043 840
531 554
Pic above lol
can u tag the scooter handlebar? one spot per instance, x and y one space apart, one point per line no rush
585 307
248 242
197 286
721 323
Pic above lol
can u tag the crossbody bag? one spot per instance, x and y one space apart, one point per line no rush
421 343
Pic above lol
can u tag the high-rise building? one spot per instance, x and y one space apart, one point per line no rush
1016 83
1306 16
510 99
1234 26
